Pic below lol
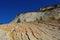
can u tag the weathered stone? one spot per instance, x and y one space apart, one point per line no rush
38 16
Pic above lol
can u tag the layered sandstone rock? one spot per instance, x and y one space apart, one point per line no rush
21 31
29 31
33 26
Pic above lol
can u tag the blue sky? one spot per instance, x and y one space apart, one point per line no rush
10 8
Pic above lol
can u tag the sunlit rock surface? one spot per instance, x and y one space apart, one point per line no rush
50 13
43 25
29 31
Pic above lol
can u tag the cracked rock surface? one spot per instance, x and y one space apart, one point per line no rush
43 25
29 31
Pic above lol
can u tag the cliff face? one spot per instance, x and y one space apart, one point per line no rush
50 13
43 25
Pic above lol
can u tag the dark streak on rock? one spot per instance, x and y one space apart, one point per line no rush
58 28
18 21
27 36
33 33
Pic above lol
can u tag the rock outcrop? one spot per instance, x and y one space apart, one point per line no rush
43 25
50 13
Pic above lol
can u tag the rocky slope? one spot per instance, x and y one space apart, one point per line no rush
29 31
43 25
50 13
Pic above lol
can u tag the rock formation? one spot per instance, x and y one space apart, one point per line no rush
43 25
53 14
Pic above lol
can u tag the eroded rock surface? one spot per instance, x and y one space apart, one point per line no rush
29 31
53 14
43 25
